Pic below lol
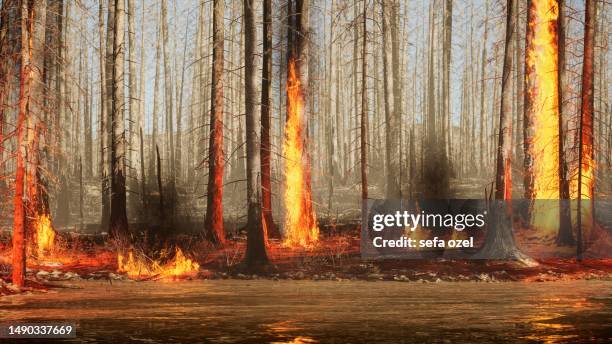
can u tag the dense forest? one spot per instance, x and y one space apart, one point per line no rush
271 122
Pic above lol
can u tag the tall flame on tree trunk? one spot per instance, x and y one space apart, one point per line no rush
542 98
45 235
300 221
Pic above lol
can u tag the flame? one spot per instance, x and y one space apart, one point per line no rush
139 267
508 179
542 61
300 221
45 235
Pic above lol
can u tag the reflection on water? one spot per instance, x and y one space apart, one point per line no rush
298 340
322 312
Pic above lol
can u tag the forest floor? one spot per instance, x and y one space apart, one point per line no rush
336 257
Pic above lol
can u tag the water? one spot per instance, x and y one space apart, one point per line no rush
263 311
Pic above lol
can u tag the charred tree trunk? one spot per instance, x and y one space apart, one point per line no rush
143 184
160 190
585 141
527 120
565 236
256 236
266 111
213 224
503 174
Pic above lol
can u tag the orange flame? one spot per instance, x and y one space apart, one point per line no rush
542 60
45 235
139 267
300 221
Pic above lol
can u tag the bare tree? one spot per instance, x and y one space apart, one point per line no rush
266 111
364 106
118 224
256 246
499 240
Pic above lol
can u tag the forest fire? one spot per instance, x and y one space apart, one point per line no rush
300 222
141 267
45 236
542 78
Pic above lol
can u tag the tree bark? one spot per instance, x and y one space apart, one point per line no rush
503 174
585 141
19 208
499 240
153 145
392 186
132 88
168 96
266 111
256 236
364 109
483 82
118 225
565 236
37 198
108 134
213 224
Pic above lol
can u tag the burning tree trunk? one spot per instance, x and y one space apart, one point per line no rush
37 207
19 211
585 179
541 102
118 211
582 183
266 107
256 237
300 221
215 231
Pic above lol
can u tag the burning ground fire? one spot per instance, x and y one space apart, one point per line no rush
300 221
136 266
